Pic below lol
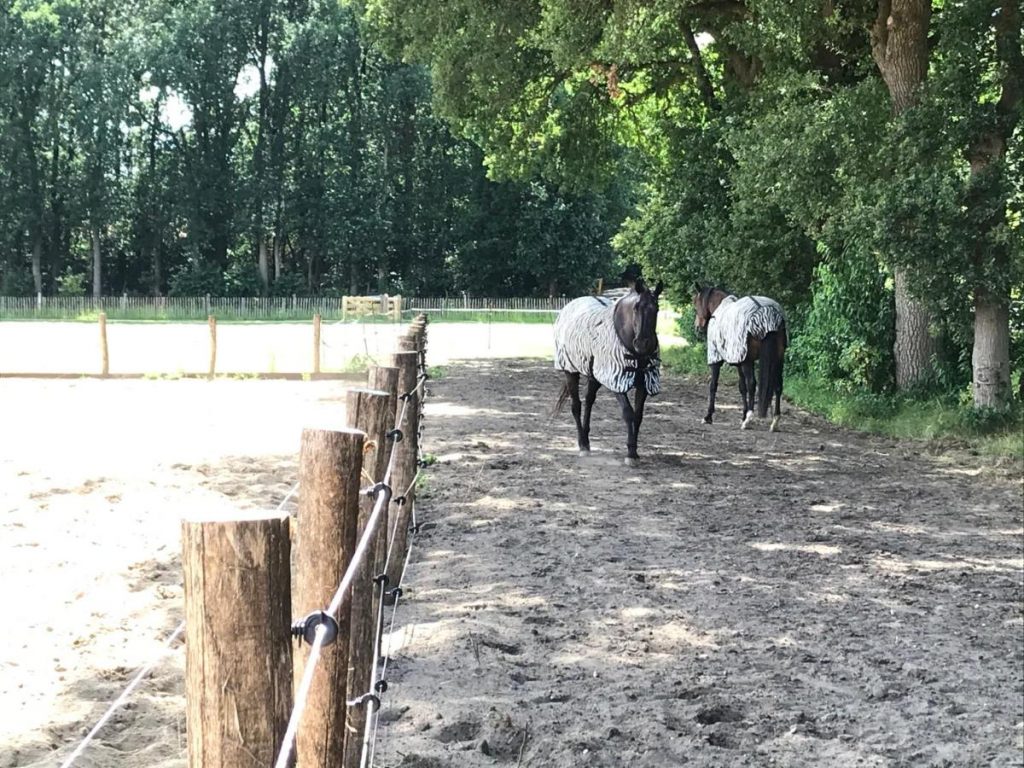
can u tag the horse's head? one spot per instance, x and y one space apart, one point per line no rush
636 319
705 302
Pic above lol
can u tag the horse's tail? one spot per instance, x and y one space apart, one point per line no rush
563 395
773 349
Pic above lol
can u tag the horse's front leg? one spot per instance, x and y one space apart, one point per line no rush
747 391
592 386
638 406
716 369
628 416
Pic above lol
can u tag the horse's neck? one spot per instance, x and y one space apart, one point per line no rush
727 298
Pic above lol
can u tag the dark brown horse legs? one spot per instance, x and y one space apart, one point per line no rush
628 416
747 386
716 369
572 383
638 408
592 386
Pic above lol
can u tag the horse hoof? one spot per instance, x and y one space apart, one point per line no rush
706 420
774 427
746 420
584 452
631 462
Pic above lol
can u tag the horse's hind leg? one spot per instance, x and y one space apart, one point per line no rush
747 391
592 386
572 383
628 416
716 369
778 388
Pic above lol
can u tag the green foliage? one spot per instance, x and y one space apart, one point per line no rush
929 417
933 417
189 139
198 279
71 284
691 359
358 364
847 335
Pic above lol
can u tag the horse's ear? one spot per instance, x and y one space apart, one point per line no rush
697 288
658 289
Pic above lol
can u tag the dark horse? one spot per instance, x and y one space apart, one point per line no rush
739 332
614 344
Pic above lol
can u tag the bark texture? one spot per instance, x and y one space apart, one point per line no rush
238 651
899 45
990 357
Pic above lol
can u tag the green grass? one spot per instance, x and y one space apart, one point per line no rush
117 315
358 364
436 372
485 316
933 418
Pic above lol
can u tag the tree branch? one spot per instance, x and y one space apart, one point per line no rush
880 34
707 90
1008 49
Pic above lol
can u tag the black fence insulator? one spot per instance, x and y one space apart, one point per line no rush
366 698
396 435
381 686
378 488
395 593
399 500
405 396
381 579
305 629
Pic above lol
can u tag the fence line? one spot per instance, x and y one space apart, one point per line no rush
251 308
407 417
142 673
370 531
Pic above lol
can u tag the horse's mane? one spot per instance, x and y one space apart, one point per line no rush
705 293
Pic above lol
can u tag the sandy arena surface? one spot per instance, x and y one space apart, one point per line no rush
807 598
174 348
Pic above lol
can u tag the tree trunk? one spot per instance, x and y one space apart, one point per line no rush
37 261
278 258
264 265
97 263
899 44
914 345
991 356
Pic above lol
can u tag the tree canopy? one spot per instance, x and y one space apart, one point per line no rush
155 146
809 150
861 162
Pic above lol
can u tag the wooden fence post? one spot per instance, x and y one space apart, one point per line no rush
238 657
405 462
385 379
213 344
104 351
316 343
366 410
330 462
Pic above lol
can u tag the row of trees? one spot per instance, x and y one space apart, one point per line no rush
254 147
859 160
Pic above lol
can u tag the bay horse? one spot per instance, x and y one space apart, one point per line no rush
741 331
613 343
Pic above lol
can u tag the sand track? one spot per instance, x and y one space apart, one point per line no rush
807 598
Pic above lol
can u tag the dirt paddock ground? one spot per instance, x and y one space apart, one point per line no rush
807 598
